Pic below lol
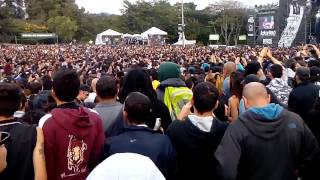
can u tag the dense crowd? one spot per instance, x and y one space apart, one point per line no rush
159 112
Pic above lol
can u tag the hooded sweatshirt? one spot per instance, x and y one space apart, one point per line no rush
74 141
281 89
267 143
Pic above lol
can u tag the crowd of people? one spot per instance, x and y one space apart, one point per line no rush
159 112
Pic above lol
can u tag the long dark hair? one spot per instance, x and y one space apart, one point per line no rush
236 86
137 80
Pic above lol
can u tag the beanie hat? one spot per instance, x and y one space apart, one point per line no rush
168 70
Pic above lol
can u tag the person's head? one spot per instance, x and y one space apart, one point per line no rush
137 108
66 84
107 88
216 79
84 91
168 70
250 78
34 87
10 99
253 67
229 68
137 80
255 95
276 71
236 87
314 74
205 97
302 75
46 83
153 74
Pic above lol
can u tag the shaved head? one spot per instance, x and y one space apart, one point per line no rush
255 94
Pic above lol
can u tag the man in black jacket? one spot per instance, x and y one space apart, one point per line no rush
198 135
303 97
139 139
266 142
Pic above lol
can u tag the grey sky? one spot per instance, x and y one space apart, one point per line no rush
114 6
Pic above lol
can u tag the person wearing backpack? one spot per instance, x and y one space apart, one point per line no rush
172 89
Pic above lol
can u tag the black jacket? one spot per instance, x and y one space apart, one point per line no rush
145 141
159 110
302 98
195 148
255 148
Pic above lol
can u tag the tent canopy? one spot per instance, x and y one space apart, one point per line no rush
110 32
154 31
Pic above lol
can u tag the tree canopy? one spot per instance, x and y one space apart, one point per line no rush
69 22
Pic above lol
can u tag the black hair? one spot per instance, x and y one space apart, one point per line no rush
189 83
66 84
314 63
10 99
34 87
205 96
46 82
252 68
236 87
276 71
106 87
137 80
154 74
138 107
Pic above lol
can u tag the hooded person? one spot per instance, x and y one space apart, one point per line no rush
172 89
74 136
260 139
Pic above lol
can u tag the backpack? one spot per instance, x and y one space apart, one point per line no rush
175 98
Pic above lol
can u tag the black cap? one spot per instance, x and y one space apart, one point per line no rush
250 78
303 73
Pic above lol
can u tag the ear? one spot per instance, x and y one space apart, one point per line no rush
246 103
216 106
125 115
269 98
192 102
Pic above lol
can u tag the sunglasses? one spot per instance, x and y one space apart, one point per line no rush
4 138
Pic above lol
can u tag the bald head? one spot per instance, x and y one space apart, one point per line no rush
255 95
229 68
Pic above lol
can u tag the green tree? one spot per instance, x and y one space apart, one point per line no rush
64 26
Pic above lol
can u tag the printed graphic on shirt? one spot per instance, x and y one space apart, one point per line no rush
76 149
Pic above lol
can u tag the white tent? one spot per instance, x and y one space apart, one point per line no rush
109 33
154 31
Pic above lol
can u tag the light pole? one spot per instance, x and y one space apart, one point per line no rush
183 25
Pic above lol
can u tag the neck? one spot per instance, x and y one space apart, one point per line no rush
107 101
61 102
259 104
4 118
206 114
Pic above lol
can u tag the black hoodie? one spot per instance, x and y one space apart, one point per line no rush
256 148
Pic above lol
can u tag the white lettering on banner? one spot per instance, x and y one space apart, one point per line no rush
268 33
267 41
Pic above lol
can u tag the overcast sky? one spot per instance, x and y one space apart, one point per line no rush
114 6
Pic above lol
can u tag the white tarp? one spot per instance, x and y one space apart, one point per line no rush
154 31
109 33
